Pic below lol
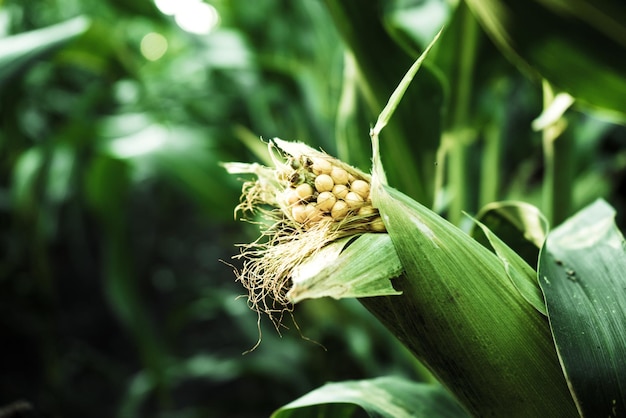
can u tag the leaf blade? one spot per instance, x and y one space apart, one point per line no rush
386 397
583 276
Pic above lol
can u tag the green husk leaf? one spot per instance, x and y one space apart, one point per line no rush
385 397
582 272
364 269
520 225
523 277
460 314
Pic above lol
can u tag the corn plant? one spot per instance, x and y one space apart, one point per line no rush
503 333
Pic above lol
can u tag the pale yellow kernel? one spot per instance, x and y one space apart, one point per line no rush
299 213
326 201
291 197
324 183
340 191
339 175
321 166
351 178
304 191
354 199
313 214
377 225
340 210
366 211
361 187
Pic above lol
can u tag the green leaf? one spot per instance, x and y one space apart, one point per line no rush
582 271
357 273
568 43
523 276
385 397
185 156
461 316
520 225
18 51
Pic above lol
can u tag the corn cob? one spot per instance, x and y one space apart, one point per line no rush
319 189
308 200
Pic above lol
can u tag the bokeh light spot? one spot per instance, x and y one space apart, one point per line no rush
153 46
192 16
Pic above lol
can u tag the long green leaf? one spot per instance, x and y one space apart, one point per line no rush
386 397
463 318
582 272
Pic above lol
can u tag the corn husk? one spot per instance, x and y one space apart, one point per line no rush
444 295
465 320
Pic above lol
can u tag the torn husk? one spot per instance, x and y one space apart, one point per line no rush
306 202
363 270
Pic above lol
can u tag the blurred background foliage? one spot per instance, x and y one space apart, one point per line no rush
115 212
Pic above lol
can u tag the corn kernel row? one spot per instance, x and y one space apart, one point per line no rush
318 191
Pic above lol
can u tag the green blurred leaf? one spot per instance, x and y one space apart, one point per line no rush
186 157
568 43
24 182
386 397
18 51
582 271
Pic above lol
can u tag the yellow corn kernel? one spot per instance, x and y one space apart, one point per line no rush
340 210
366 211
291 197
339 175
304 191
313 214
340 191
360 187
326 201
321 166
354 200
377 225
324 183
299 213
